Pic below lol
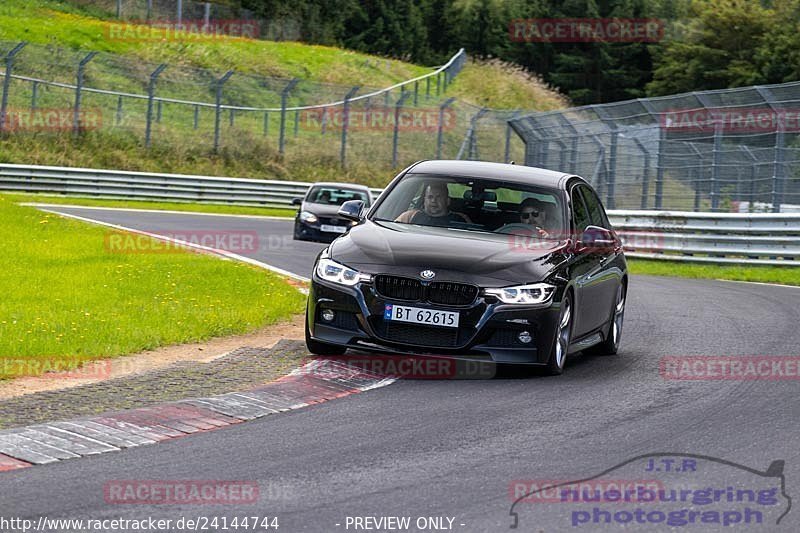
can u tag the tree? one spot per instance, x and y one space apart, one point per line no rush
717 49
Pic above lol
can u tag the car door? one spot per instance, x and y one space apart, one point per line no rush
586 266
601 288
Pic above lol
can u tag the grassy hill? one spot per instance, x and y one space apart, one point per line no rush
60 33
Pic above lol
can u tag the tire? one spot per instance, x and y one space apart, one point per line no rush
610 345
558 354
321 348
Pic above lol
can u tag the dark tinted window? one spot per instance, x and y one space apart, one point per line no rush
331 195
580 216
596 214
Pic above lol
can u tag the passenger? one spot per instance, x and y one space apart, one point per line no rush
435 209
533 213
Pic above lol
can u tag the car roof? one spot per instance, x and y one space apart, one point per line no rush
354 186
484 169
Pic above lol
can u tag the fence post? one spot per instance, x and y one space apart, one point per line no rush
469 144
753 175
296 121
284 97
151 93
231 117
398 107
149 10
324 121
427 87
7 82
778 170
206 16
440 133
119 9
438 83
119 111
179 14
218 107
507 152
196 122
76 117
645 173
346 123
416 93
612 154
266 123
34 95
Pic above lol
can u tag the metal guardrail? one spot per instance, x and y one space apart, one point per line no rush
750 238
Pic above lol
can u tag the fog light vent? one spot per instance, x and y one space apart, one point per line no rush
328 315
524 337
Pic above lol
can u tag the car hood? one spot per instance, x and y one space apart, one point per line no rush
480 258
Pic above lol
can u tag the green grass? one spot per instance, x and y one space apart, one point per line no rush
764 274
161 206
245 150
67 298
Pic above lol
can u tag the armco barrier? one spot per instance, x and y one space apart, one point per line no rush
752 238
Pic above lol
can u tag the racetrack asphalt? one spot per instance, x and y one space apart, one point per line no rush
452 448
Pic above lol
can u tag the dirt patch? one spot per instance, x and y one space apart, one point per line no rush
104 369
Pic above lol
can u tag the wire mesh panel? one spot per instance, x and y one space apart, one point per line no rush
722 150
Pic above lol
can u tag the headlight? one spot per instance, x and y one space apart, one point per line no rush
537 293
308 218
330 270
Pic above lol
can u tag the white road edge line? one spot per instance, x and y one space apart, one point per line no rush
208 249
138 210
760 283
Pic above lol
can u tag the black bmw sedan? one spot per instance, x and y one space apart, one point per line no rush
475 260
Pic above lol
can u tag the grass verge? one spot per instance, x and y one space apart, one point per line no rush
764 274
160 206
67 299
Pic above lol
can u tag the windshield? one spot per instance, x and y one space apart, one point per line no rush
332 195
474 204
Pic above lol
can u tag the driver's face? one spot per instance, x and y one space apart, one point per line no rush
529 215
436 201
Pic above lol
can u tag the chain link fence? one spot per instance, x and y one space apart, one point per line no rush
58 91
723 150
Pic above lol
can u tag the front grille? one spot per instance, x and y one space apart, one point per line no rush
398 288
438 292
449 293
421 335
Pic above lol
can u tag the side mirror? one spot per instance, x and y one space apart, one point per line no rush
352 210
297 201
597 239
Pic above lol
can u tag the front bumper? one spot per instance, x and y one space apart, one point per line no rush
488 329
304 231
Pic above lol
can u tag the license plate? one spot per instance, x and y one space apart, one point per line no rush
419 315
333 229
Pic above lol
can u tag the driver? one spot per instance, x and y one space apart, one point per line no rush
435 209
